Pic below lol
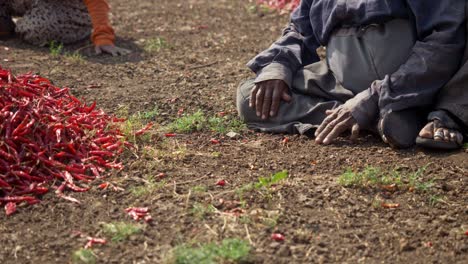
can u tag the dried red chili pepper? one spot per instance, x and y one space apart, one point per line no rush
10 208
277 237
138 213
215 141
49 138
143 130
390 205
93 240
221 183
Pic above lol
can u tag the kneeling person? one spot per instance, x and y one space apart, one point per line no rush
385 62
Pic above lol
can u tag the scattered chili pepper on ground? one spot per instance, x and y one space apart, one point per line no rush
391 187
215 141
94 240
138 213
143 130
466 233
51 139
161 175
277 237
390 205
170 135
103 186
10 208
180 112
285 140
221 183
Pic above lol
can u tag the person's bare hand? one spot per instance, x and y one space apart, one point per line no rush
338 121
112 50
266 97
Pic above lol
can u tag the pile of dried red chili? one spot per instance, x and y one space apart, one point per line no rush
50 139
288 5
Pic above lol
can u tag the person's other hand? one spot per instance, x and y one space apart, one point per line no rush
338 121
112 50
266 97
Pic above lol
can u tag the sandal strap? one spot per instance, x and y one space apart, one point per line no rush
444 118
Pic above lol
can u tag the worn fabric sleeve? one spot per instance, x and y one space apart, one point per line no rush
435 57
295 48
103 34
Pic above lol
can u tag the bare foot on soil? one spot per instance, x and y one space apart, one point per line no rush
435 130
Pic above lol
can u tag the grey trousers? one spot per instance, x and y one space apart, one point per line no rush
453 98
43 21
355 59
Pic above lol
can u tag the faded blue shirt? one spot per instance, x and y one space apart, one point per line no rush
434 59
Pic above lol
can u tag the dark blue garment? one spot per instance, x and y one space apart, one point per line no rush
434 59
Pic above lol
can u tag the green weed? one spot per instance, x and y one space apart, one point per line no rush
136 122
150 186
225 124
267 182
74 57
120 231
198 122
83 256
375 177
55 48
435 199
262 184
201 211
231 250
155 45
189 123
199 189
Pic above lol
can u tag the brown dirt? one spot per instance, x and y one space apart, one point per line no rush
323 221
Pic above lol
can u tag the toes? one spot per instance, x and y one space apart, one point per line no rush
439 134
453 136
446 135
427 131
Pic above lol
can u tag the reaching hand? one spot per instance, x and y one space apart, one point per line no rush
266 97
112 50
338 121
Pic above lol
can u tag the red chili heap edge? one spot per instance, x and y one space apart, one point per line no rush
50 139
280 4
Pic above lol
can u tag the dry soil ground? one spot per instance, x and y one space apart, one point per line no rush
191 54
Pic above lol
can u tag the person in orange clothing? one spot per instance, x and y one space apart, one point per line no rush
64 21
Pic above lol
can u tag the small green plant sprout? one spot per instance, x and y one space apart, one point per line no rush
388 180
201 211
435 199
198 122
55 48
199 189
74 57
225 124
228 251
150 186
155 45
369 176
267 182
83 256
189 123
136 122
120 231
